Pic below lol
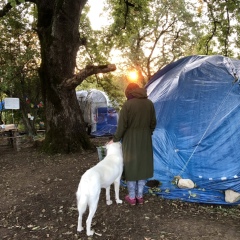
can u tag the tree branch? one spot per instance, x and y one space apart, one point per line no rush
86 72
128 4
8 7
4 11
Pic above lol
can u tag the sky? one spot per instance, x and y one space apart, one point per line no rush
97 21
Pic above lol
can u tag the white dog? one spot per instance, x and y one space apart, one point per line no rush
102 175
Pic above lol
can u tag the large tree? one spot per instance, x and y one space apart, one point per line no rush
152 33
19 59
58 32
220 27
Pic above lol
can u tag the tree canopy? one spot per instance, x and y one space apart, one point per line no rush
48 50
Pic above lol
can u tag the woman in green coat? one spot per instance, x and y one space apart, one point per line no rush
137 121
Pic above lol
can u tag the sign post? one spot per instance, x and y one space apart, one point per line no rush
12 103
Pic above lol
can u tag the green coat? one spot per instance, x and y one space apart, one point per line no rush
137 121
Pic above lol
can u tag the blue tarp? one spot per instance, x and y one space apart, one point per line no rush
2 104
197 102
107 118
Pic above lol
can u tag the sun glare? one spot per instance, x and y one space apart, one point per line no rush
132 75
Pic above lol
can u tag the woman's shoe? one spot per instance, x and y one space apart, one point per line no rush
131 201
140 201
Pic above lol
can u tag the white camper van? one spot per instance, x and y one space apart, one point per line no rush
101 119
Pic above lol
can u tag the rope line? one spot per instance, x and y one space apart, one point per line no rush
220 106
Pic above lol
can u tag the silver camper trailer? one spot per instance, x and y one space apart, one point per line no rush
98 116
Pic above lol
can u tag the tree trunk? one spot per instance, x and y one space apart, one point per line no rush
58 31
58 23
29 124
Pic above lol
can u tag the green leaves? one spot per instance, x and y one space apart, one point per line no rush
152 33
14 2
219 31
20 58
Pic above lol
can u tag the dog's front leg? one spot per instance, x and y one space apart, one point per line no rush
108 198
116 188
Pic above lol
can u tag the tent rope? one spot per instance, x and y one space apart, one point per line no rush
220 106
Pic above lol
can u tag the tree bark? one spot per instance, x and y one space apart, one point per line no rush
29 125
58 24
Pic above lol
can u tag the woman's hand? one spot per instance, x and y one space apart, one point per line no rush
110 142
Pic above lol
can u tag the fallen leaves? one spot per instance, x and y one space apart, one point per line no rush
38 202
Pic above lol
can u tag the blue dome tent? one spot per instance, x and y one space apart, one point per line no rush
197 103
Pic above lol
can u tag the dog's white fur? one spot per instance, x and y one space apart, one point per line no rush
102 175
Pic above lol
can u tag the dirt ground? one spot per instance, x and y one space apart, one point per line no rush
38 202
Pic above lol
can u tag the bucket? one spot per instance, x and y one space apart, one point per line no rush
102 152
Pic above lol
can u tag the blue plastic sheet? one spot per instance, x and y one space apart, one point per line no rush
107 118
197 103
2 106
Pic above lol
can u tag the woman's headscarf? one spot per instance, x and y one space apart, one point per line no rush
129 89
134 91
